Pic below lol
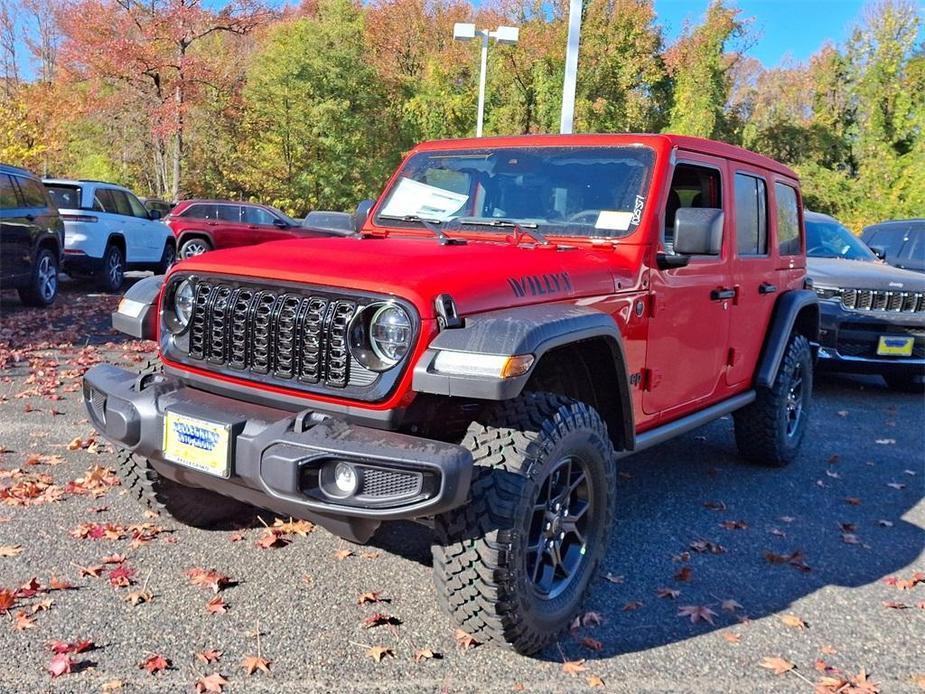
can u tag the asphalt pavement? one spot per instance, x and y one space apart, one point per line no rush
813 564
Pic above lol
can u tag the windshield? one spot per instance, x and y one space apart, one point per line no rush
566 191
829 239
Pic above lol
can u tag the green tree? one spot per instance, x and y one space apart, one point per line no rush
315 136
700 68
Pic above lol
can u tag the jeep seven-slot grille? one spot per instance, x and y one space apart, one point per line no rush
285 334
879 300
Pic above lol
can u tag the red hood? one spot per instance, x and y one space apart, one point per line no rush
480 276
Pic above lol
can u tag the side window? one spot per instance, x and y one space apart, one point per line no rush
138 210
751 215
229 213
256 215
8 197
123 206
104 202
33 192
788 220
691 186
915 246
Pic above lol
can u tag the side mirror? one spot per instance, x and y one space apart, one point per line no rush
362 214
698 231
279 223
154 215
878 251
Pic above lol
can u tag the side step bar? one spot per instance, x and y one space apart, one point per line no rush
660 434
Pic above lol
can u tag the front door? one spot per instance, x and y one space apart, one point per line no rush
689 327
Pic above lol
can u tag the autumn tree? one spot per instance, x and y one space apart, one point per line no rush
154 48
699 65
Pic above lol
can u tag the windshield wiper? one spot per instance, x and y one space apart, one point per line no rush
428 223
529 228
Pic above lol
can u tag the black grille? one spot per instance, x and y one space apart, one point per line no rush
287 334
880 300
861 340
391 483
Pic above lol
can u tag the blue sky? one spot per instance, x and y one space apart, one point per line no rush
784 28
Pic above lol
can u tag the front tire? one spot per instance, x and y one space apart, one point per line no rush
514 564
43 285
770 430
199 508
112 276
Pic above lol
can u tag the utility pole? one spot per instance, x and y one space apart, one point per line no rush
466 32
571 67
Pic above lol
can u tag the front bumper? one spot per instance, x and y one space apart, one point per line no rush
848 340
276 455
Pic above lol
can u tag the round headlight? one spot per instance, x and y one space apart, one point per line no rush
390 333
183 304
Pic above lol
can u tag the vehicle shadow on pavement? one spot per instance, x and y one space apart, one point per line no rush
693 517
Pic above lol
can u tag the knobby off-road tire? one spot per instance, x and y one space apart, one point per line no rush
770 430
192 506
484 569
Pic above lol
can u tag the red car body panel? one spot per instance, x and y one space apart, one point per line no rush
700 352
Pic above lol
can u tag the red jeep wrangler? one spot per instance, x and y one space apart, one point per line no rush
513 316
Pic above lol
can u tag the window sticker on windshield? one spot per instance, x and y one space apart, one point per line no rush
637 209
410 197
614 220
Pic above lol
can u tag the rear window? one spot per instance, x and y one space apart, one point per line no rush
8 198
64 197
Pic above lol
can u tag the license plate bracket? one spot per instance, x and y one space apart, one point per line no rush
895 346
198 443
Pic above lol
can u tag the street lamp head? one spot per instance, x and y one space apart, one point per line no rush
463 31
507 35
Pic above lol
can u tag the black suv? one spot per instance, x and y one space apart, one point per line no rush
900 242
31 237
872 315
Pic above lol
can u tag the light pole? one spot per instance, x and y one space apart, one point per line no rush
466 32
571 67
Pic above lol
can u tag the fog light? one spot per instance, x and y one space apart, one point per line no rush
345 478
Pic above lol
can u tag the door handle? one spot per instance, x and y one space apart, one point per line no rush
722 294
766 288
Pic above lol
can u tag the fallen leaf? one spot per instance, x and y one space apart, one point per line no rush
791 620
464 640
594 681
137 597
112 686
593 644
734 525
896 485
122 576
885 442
668 593
697 613
271 538
592 619
371 596
342 554
378 619
209 655
377 653
614 579
208 578
423 654
573 667
885 523
22 621
853 500
10 550
632 605
154 663
252 663
216 605
213 683
684 574
61 664
293 527
731 637
706 546
776 664
715 505
730 605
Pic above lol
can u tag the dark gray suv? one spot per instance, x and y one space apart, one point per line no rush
31 237
872 314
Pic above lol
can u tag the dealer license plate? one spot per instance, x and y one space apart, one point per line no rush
197 443
890 346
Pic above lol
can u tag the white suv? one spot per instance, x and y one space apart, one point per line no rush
108 231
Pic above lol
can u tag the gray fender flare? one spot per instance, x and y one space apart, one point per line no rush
787 311
518 331
137 312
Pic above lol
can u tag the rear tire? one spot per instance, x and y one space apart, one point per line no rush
514 564
43 285
770 430
112 276
193 247
199 508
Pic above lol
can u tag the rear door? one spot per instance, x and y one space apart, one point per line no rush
14 232
689 328
754 273
152 233
261 225
230 229
126 223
